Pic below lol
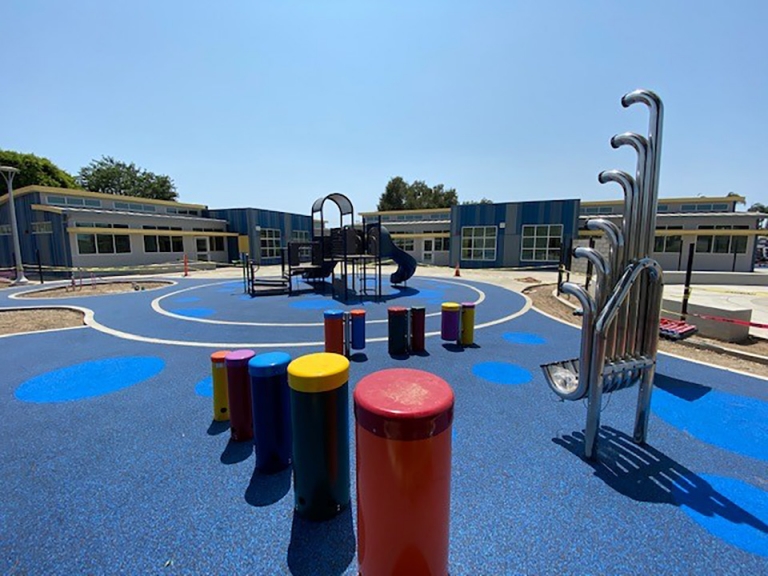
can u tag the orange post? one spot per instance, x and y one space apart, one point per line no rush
456 271
403 434
186 266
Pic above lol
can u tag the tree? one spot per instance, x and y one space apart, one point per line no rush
482 200
35 170
399 195
111 176
763 209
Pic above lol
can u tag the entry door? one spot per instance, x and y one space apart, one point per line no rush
201 244
429 247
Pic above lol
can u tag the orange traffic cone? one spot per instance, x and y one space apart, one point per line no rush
457 272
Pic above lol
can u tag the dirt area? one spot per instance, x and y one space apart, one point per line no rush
18 321
695 347
97 289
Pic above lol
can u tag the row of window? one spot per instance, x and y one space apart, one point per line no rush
414 217
706 207
118 205
705 244
37 228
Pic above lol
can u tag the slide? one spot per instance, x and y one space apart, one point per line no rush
406 264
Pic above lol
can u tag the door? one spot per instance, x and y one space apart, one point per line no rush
201 245
429 247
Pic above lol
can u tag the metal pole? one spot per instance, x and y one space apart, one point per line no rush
687 288
39 266
589 265
8 173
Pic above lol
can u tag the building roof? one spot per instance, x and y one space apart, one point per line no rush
688 200
101 196
422 211
101 211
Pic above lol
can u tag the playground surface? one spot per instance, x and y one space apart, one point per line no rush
111 464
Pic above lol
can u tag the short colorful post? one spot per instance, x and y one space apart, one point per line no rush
239 392
319 388
403 443
418 322
334 331
397 335
220 394
271 404
467 333
358 329
449 325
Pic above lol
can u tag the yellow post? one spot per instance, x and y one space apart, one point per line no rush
467 333
220 394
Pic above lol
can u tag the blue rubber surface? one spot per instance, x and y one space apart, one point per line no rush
138 480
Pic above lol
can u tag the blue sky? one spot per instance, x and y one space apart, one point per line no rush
274 104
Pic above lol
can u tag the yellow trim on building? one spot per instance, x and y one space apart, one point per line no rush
420 235
99 195
390 212
694 200
46 208
687 232
143 232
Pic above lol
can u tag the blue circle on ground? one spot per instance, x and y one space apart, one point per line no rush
310 304
502 373
205 387
194 312
732 510
89 379
524 338
186 299
736 423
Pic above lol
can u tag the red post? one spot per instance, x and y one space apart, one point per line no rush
186 266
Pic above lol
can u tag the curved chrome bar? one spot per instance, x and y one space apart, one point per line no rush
655 124
587 324
631 197
608 313
603 269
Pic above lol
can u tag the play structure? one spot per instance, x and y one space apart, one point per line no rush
620 325
351 255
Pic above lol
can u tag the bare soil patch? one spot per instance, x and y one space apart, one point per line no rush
19 321
96 289
695 347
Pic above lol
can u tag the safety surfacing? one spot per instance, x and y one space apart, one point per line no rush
111 464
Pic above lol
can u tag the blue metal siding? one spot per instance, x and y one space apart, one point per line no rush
245 220
514 215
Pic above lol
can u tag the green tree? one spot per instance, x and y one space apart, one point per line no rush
399 195
35 170
482 200
111 176
763 209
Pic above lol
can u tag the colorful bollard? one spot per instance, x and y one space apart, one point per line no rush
219 377
449 321
271 405
397 334
418 322
239 392
319 389
334 331
358 329
403 445
467 332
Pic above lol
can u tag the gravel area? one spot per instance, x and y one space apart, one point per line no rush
695 347
97 289
19 321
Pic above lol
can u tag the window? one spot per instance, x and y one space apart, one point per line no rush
201 244
162 243
92 203
5 229
300 236
662 208
105 243
86 244
42 228
541 243
122 244
75 202
722 244
442 244
668 244
605 210
270 243
59 200
216 243
404 244
478 243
